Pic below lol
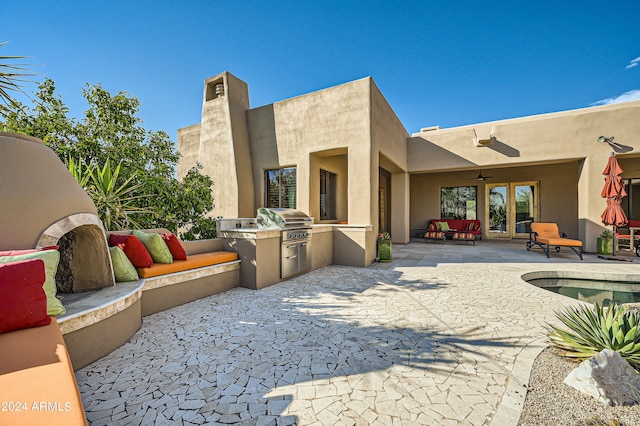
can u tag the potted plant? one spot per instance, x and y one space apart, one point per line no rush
384 247
605 242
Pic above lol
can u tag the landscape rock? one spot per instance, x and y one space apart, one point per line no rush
607 377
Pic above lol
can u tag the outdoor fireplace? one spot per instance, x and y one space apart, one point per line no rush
43 205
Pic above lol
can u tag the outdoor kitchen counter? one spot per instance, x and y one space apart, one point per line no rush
259 250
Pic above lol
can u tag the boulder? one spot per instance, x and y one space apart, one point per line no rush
607 377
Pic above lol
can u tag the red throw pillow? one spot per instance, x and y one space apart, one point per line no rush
133 248
176 249
23 303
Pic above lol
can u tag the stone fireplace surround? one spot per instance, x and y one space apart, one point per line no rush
43 205
85 263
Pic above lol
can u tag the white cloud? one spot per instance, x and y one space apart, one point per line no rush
631 95
634 63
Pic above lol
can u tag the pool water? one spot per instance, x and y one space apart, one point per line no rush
592 291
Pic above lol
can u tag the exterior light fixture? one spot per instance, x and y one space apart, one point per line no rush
603 139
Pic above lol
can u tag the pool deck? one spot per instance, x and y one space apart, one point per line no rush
443 334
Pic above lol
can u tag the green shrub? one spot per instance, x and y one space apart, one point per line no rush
593 329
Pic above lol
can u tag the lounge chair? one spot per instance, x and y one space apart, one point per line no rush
546 235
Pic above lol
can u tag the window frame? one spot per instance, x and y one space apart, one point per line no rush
287 196
460 205
328 206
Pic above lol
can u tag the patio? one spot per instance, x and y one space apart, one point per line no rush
444 334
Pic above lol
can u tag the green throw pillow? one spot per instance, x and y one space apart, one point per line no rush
444 226
156 246
50 259
123 269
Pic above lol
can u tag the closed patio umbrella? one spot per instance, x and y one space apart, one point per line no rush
613 191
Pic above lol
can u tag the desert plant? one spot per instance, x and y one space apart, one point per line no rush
593 329
114 201
11 77
607 234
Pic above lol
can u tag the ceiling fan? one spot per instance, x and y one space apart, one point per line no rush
480 177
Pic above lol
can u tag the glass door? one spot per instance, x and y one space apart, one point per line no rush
511 207
525 209
497 208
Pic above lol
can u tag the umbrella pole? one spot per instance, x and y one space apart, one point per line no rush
613 249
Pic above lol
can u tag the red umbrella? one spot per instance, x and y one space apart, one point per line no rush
613 191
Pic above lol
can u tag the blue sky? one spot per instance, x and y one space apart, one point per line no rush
446 63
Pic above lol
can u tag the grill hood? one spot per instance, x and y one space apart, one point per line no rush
282 218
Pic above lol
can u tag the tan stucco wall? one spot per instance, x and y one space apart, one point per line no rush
351 130
285 133
558 189
189 148
223 147
567 136
38 188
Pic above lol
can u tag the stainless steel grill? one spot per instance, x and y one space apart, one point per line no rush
296 237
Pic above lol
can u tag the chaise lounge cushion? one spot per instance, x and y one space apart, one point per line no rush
23 303
193 261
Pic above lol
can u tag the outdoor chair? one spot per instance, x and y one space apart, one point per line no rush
546 235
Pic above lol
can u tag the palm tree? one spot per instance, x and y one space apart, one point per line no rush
11 77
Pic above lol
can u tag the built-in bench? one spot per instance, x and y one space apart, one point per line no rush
95 325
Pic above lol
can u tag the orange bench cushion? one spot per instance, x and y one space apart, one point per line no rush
35 370
193 261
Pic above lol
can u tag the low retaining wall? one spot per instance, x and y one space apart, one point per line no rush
103 321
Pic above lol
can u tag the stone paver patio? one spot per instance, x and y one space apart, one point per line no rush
444 334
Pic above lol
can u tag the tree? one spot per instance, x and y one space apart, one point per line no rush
11 77
111 133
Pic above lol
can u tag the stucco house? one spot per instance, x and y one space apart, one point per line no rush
342 156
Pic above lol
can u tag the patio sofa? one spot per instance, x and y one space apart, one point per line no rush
458 229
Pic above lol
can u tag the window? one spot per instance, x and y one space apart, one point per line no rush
280 188
458 202
327 195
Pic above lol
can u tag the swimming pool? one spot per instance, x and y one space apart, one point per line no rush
601 291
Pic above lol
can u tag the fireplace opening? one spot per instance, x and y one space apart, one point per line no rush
85 263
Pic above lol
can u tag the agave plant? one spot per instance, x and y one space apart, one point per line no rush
592 330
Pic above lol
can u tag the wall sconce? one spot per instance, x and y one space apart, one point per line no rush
603 139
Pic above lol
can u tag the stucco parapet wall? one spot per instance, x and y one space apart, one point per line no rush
100 305
530 118
540 139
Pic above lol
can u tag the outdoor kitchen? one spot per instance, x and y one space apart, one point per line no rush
279 244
